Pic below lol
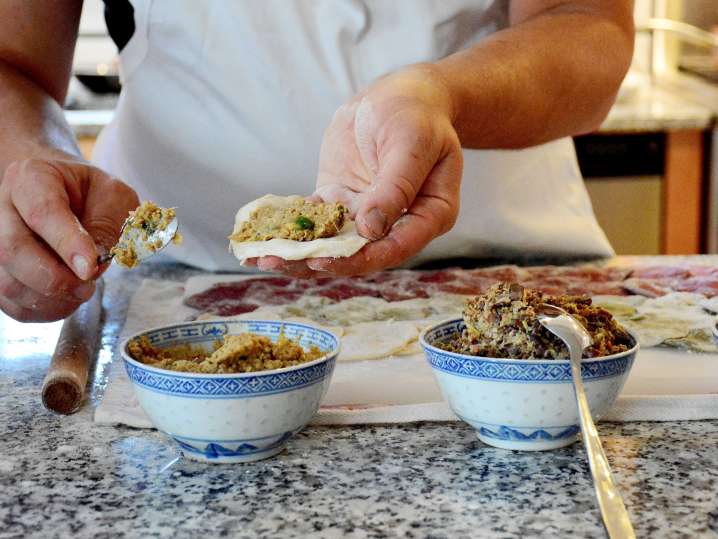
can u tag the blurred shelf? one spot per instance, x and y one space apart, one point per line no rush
88 123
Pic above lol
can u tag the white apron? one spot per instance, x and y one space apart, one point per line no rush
225 101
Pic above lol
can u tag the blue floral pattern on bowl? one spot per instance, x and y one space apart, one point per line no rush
525 371
229 449
223 388
521 404
508 433
233 417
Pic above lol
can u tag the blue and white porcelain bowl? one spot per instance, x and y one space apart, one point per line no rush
523 404
232 417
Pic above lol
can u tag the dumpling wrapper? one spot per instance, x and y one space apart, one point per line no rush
360 342
344 244
376 340
676 319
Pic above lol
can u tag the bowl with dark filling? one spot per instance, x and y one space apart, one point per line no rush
509 378
234 390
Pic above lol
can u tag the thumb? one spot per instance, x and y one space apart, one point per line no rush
108 204
402 169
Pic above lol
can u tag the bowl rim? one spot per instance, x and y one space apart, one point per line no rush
332 354
423 342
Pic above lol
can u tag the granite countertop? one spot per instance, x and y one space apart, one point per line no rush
652 109
65 476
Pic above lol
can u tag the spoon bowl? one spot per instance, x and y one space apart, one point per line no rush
563 325
143 247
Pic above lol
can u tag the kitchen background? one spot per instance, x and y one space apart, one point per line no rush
652 167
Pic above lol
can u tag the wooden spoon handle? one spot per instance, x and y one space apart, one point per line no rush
63 389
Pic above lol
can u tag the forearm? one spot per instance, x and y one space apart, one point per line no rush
551 76
32 123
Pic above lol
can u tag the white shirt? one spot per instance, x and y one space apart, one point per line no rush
225 101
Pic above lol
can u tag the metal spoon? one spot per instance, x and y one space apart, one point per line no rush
144 247
571 332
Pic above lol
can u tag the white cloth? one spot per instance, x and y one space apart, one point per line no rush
225 101
366 392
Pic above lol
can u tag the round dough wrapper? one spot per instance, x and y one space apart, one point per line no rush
344 244
376 340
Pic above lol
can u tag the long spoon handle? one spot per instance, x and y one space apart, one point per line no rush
613 511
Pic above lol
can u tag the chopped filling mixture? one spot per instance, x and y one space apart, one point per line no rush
245 352
503 323
125 255
299 221
139 228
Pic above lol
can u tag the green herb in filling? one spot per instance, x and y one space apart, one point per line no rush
304 223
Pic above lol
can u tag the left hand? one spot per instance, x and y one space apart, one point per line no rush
393 157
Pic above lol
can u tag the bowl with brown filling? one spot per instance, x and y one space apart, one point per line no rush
510 379
231 391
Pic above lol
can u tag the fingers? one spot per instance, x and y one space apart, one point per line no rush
107 205
433 213
407 237
37 190
336 192
50 213
44 313
24 258
293 268
15 311
406 158
24 304
50 195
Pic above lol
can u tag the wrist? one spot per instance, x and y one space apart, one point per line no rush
434 88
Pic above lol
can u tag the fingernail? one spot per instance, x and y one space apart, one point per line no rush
375 221
84 291
317 264
267 265
82 266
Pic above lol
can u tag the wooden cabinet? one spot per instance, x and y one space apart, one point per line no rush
647 189
86 144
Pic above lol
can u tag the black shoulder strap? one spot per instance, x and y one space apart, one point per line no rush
120 20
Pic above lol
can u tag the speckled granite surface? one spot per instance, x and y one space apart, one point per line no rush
67 477
656 110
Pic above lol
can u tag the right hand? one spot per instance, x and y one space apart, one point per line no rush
56 217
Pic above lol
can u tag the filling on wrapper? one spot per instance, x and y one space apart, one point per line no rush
245 352
299 221
292 228
502 323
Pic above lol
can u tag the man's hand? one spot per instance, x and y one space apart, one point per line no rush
56 216
392 156
554 72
